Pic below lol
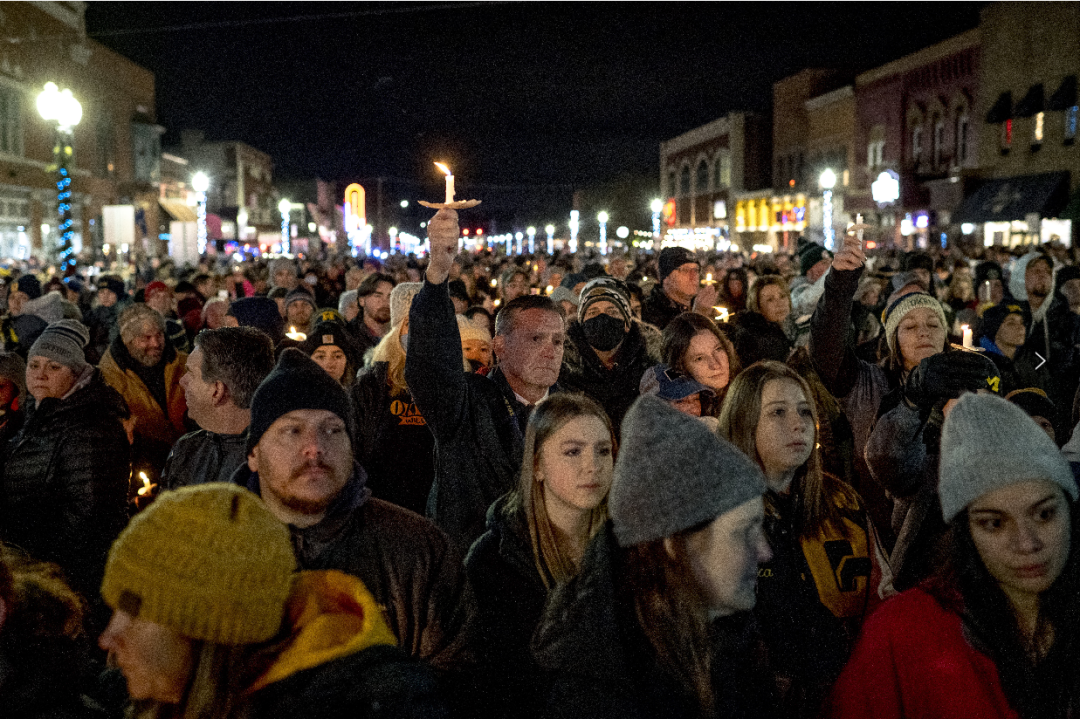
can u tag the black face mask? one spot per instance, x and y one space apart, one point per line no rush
604 332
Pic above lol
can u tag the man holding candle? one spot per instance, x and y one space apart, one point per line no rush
478 421
679 289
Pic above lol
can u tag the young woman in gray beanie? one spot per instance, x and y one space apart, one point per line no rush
657 622
536 536
994 632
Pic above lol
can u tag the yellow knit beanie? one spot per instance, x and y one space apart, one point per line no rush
208 561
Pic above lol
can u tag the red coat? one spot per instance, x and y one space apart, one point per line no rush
913 661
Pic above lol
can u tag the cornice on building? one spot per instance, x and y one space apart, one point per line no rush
927 55
829 98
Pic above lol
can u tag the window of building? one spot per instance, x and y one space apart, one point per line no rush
939 140
1070 124
684 181
961 138
1037 135
106 145
1006 135
701 178
916 144
10 121
723 171
672 188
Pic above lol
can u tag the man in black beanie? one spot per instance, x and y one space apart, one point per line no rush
300 461
679 289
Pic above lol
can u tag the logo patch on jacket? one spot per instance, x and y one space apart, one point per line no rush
407 413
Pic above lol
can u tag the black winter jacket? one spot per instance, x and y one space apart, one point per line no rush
64 492
510 599
614 389
756 339
477 421
658 309
200 456
596 663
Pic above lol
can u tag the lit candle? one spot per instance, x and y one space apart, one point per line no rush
449 182
494 283
146 488
294 335
723 316
708 279
549 290
858 223
968 344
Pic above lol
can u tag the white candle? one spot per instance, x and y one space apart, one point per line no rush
968 344
294 335
858 221
449 189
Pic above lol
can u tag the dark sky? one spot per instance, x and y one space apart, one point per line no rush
526 101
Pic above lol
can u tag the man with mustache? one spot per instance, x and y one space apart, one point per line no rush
300 461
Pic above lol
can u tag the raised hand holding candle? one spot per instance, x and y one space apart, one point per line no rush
968 343
449 182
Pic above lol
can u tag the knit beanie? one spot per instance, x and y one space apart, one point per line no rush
296 383
210 562
988 443
329 314
1034 402
63 341
991 320
347 299
671 259
29 285
810 255
401 298
299 295
895 312
332 333
155 287
987 271
110 282
673 474
609 289
469 330
13 368
260 313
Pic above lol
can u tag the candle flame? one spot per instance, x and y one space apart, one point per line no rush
494 283
444 168
146 487
549 290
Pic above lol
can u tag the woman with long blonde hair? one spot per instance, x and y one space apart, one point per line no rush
826 571
536 535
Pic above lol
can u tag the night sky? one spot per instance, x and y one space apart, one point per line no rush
527 102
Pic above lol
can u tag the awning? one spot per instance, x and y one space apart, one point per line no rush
1014 198
1002 109
1065 96
178 210
1033 102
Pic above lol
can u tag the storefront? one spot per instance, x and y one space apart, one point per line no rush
1014 211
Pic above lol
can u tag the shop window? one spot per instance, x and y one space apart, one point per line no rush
1070 124
962 139
1037 134
1006 136
701 178
10 121
916 144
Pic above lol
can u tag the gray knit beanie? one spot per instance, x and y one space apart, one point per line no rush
988 443
673 474
63 341
401 298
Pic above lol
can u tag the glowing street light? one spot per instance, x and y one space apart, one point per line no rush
602 218
827 182
61 107
200 182
574 226
284 207
550 230
531 232
519 237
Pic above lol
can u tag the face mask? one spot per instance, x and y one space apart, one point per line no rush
604 332
404 340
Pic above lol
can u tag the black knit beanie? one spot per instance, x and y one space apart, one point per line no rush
296 383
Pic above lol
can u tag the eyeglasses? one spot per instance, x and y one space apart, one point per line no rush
688 270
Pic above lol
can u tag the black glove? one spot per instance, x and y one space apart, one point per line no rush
946 375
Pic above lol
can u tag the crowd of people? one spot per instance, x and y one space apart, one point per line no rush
552 486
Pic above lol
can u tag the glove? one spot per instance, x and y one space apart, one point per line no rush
947 375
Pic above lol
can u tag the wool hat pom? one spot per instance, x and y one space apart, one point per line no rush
210 562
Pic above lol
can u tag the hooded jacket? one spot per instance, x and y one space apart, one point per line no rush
614 389
155 421
63 496
340 660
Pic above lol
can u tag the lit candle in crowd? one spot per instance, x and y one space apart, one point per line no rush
497 302
294 335
549 290
968 344
708 279
494 283
858 223
146 488
449 182
723 316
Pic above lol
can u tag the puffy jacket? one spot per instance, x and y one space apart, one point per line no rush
614 389
202 456
152 421
65 483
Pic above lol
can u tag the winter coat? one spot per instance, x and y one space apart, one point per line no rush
658 309
756 338
478 423
510 598
614 389
596 663
202 456
913 661
814 594
65 483
339 661
858 385
393 443
402 558
152 421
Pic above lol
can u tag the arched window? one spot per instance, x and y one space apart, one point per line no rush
672 187
723 170
701 178
939 140
684 181
962 132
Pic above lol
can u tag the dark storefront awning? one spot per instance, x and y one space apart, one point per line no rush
178 210
1002 109
1014 198
1065 96
1033 102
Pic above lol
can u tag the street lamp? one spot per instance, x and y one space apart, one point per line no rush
61 108
827 182
602 218
201 183
550 230
284 207
519 237
574 226
531 232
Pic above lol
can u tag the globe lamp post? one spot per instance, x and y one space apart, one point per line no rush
602 218
200 182
827 182
550 230
61 108
284 207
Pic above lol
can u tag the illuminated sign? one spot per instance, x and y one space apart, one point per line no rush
669 213
355 208
886 188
